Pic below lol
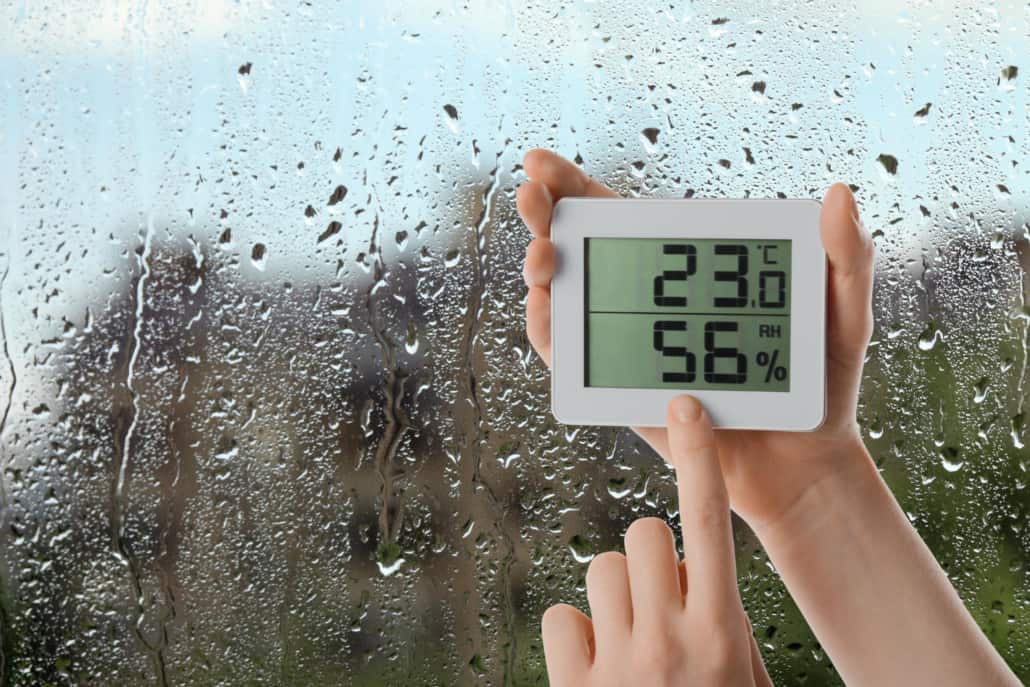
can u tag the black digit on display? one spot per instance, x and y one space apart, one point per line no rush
690 361
690 253
781 289
714 352
739 276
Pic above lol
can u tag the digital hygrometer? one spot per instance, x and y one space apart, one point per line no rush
721 299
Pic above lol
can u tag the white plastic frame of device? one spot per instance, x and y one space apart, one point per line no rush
802 408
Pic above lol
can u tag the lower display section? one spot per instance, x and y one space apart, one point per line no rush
647 351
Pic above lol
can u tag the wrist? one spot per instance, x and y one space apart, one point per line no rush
849 481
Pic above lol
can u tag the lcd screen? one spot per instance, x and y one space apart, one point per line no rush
688 314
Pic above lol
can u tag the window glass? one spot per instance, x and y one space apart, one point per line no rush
269 414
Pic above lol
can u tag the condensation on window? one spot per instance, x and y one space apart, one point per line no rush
269 414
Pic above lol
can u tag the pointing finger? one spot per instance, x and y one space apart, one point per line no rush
704 509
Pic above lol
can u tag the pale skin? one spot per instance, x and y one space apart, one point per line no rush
872 592
654 619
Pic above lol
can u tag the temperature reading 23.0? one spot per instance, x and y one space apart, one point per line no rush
699 313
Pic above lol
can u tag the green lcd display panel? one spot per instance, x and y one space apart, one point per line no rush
688 314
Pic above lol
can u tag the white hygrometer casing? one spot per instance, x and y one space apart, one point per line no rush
802 408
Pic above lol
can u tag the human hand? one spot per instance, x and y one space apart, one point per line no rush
766 473
656 620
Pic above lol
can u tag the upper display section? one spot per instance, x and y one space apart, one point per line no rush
718 276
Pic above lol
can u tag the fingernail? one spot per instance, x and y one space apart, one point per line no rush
687 409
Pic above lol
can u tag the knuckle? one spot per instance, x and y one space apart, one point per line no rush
722 657
725 651
581 180
657 651
540 249
528 198
523 198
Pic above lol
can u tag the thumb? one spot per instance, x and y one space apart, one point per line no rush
849 317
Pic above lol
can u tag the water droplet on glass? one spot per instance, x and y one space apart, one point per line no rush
1016 429
889 162
650 136
243 76
411 339
619 487
921 114
258 256
452 117
980 390
876 429
331 230
388 558
1007 77
338 194
508 453
930 337
950 459
581 549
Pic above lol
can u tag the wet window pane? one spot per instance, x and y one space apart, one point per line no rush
269 412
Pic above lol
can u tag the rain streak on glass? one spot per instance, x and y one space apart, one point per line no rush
269 412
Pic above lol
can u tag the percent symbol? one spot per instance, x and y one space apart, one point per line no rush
771 368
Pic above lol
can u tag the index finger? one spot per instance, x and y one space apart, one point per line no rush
551 178
562 178
704 509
